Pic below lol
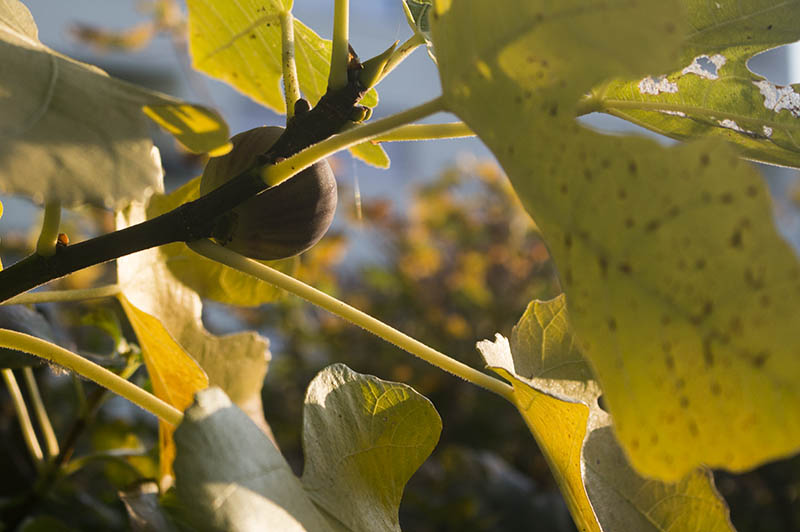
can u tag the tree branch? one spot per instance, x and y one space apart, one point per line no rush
193 220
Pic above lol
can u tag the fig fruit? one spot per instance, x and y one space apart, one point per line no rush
282 221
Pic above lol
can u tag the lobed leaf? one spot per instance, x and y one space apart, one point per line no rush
713 93
677 282
363 438
240 43
557 396
71 133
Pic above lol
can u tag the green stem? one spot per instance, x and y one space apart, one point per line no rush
28 434
450 130
399 55
278 173
340 50
51 296
220 254
46 245
50 440
291 87
90 370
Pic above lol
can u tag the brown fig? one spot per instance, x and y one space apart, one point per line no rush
282 221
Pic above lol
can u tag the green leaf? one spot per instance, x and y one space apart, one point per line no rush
372 154
166 316
240 44
557 396
73 134
363 438
420 11
229 475
209 278
724 99
677 282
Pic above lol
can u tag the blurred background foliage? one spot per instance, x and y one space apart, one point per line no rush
449 259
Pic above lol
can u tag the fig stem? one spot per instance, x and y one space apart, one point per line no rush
213 251
39 410
337 77
280 172
400 53
291 87
46 245
450 130
23 417
90 370
52 296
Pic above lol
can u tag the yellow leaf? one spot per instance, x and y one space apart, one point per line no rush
679 287
175 376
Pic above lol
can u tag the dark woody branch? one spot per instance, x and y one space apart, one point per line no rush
196 219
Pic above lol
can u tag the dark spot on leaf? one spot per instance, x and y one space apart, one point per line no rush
726 198
752 191
568 276
708 308
567 240
693 430
715 389
684 401
669 27
553 110
605 163
665 320
629 222
756 282
622 193
708 355
634 443
680 384
760 359
765 301
668 459
673 211
736 325
632 168
528 94
681 264
564 189
603 263
588 175
669 419
612 324
769 27
652 225
252 35
705 159
736 239
670 362
625 268
700 264
511 150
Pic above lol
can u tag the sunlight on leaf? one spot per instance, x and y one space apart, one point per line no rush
71 133
363 438
713 93
557 396
372 154
199 129
211 279
678 286
237 363
240 43
230 476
